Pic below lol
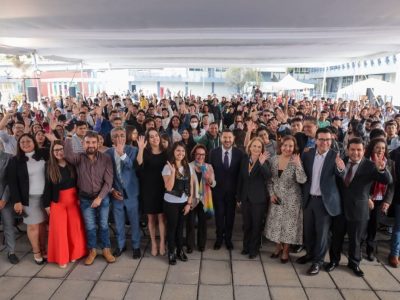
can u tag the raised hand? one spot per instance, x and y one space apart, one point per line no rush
142 143
339 163
295 159
263 157
171 167
380 162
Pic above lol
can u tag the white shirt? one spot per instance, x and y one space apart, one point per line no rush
36 174
229 155
319 160
171 198
118 160
9 142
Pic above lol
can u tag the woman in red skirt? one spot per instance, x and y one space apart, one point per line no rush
67 241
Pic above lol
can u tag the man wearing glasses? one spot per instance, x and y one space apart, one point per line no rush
321 198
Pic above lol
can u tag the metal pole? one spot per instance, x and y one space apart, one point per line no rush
323 83
83 85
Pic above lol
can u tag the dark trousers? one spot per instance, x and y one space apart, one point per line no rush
374 217
252 225
175 218
356 232
224 208
198 212
317 223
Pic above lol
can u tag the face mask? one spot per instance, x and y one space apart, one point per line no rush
194 125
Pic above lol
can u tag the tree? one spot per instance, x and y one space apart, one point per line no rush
238 77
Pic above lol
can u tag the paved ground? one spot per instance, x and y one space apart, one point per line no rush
210 275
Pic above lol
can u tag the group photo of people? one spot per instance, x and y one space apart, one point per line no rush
95 176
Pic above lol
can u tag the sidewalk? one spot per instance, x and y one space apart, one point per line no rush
211 275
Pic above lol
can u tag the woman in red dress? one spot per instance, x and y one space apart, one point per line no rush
67 241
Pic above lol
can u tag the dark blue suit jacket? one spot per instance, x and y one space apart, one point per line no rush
329 189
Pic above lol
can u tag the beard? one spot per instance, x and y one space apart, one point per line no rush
91 150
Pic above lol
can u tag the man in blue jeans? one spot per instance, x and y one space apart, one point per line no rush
125 191
95 177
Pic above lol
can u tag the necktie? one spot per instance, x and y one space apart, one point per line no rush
226 161
349 174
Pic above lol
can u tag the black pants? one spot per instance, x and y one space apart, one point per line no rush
374 217
175 218
224 208
317 223
356 231
198 212
252 225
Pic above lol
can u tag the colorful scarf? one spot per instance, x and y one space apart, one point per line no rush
204 191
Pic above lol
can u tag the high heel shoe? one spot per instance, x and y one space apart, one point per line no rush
284 260
39 261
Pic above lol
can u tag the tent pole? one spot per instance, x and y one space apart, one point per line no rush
323 83
82 83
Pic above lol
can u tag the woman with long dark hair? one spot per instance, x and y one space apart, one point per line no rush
26 173
66 241
174 129
187 139
178 182
151 159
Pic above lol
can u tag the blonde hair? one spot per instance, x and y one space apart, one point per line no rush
255 139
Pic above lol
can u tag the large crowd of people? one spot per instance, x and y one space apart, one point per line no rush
303 172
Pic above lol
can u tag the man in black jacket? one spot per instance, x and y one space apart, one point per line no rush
355 188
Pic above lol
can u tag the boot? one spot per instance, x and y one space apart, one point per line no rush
181 255
91 256
108 256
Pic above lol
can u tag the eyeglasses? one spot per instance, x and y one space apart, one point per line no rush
118 135
58 150
324 140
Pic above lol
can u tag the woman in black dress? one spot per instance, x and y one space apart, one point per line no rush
151 159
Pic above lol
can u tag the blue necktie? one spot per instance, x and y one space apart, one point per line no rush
226 161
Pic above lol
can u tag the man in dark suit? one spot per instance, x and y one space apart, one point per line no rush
321 198
226 163
306 140
355 188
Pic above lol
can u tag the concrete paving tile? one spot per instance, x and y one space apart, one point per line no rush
23 244
39 288
345 279
126 260
320 293
236 252
210 253
179 291
322 280
284 293
117 273
215 292
184 272
10 286
51 270
73 289
93 272
248 273
148 291
109 290
394 271
215 272
25 268
380 278
358 295
281 274
4 263
251 292
388 295
151 269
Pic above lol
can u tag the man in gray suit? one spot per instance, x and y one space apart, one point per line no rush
321 198
6 207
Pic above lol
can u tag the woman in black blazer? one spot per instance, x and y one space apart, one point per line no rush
252 194
27 181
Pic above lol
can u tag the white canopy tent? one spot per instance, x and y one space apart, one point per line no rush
289 83
379 88
157 33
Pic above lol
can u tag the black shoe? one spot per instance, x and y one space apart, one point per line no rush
244 252
314 269
171 258
181 255
304 259
229 245
189 250
217 245
356 270
331 266
118 252
370 256
252 256
297 248
201 248
136 253
12 258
